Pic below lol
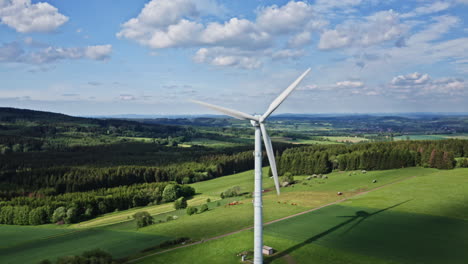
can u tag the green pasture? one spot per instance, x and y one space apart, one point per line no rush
34 249
432 137
419 220
396 222
347 139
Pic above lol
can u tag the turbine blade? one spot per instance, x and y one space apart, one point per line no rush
283 96
271 156
227 111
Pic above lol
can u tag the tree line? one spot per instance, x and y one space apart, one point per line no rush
438 154
38 208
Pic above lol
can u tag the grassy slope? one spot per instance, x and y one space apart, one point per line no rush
121 238
389 230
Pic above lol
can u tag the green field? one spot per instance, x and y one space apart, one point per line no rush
420 220
431 137
420 210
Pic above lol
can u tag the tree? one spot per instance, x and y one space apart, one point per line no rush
191 210
203 208
38 216
143 219
72 215
59 214
170 192
180 203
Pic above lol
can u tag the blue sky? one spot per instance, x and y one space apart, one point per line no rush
149 57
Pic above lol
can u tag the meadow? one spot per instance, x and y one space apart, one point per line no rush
414 204
422 219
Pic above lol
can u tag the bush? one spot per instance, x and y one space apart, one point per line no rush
287 177
234 191
143 219
191 210
208 200
95 256
204 208
180 203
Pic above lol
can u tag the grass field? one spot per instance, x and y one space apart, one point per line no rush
394 224
347 139
431 137
419 220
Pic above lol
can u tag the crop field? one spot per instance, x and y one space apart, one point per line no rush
416 209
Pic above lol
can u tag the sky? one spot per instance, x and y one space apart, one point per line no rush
112 57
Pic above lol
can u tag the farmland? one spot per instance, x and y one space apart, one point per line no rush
70 184
395 224
423 195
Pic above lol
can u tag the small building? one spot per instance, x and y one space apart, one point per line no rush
267 250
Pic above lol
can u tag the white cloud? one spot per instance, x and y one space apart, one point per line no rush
285 19
13 52
219 56
300 39
26 17
377 28
417 84
350 84
428 9
98 52
435 30
171 24
235 32
410 79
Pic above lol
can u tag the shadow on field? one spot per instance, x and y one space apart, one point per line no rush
361 215
391 235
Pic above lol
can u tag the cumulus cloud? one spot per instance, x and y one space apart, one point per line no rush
219 56
418 84
14 52
411 79
26 17
98 52
377 28
171 24
285 19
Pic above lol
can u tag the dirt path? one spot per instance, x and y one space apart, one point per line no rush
287 257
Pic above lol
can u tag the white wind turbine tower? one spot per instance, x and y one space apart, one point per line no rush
259 124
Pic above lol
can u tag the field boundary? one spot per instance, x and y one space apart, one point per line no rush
270 222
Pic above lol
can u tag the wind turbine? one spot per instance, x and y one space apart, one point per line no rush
258 122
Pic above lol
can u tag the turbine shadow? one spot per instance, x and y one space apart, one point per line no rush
359 214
